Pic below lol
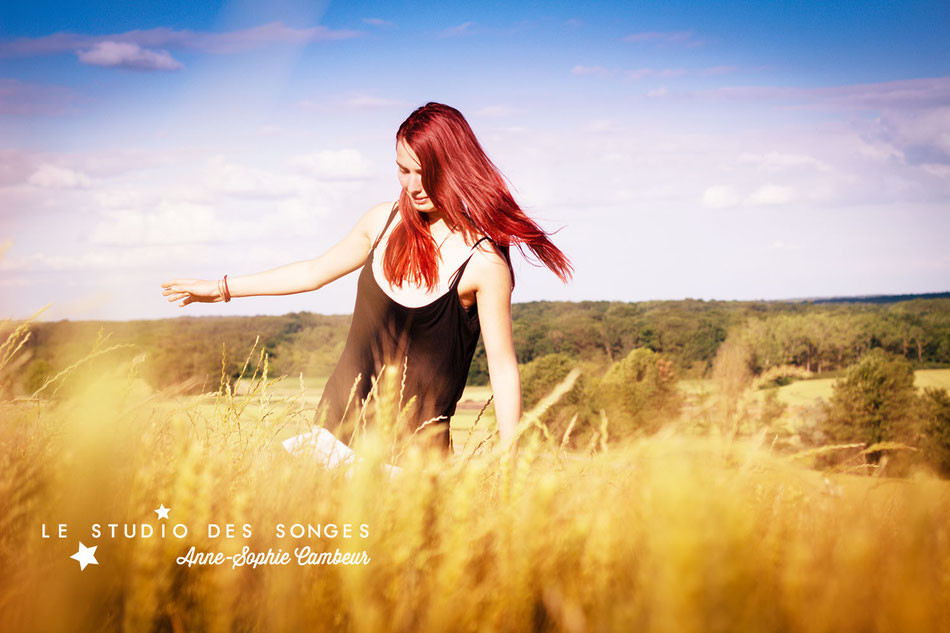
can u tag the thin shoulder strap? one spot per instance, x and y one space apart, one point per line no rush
457 275
386 226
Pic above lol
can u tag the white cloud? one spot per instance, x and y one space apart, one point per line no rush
367 101
496 111
461 29
345 164
359 101
103 259
778 161
125 197
176 222
599 125
378 22
923 136
598 71
222 42
894 95
939 171
173 222
15 282
128 55
50 176
24 99
642 73
720 197
718 70
241 181
768 195
16 166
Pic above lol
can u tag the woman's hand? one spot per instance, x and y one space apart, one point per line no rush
192 290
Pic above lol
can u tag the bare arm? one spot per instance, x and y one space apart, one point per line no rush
344 257
493 298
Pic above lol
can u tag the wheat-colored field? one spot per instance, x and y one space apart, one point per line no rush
668 533
807 392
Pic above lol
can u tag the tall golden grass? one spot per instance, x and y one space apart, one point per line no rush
671 533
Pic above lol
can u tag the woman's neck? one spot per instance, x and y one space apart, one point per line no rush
438 223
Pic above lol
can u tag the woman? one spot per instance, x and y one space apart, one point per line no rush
435 273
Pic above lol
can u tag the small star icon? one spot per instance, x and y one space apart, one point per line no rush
85 556
162 512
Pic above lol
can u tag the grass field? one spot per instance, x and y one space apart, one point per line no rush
306 394
669 533
807 392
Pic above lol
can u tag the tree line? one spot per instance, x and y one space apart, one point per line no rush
688 334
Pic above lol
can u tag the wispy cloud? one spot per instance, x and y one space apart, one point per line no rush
720 197
344 164
57 177
352 101
771 195
598 71
378 22
497 111
718 70
639 73
207 41
454 31
664 73
778 161
912 93
20 98
682 38
128 55
368 102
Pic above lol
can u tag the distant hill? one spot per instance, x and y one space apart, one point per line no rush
875 298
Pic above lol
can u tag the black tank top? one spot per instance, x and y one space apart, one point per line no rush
430 346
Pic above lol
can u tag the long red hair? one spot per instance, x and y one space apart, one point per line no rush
465 185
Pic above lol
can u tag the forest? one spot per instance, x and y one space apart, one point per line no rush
817 337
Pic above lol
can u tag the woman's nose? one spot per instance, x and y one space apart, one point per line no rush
415 184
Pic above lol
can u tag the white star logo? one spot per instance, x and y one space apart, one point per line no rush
85 556
162 511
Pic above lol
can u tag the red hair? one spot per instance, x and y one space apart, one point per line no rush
465 185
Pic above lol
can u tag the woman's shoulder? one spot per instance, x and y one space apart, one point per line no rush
375 218
381 212
489 261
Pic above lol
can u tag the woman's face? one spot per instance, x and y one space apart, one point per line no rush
410 177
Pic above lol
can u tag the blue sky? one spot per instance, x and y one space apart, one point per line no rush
735 150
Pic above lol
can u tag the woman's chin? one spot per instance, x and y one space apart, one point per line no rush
426 207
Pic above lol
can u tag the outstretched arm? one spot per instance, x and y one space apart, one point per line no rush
493 298
342 258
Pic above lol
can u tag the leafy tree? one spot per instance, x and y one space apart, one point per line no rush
639 393
37 373
538 379
873 402
542 374
935 429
